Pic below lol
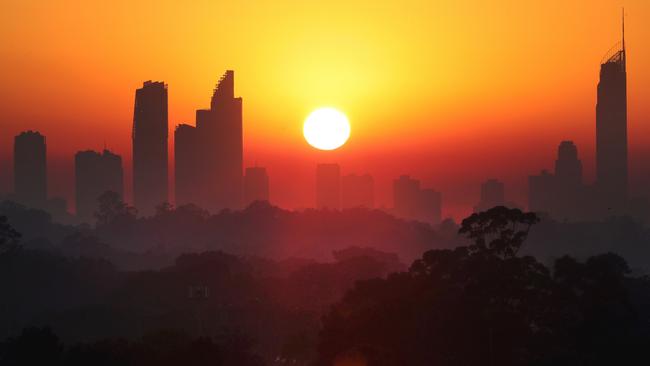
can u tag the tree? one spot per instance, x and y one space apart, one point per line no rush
113 210
9 237
499 231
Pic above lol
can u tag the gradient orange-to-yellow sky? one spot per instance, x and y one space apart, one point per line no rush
452 92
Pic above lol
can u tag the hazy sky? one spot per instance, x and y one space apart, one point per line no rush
452 92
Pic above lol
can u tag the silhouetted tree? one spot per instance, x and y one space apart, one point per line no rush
112 210
499 231
9 237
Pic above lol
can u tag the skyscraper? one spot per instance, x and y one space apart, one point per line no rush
95 174
150 134
492 195
562 195
568 168
541 192
406 194
357 191
209 157
611 128
187 164
328 186
30 169
414 203
221 147
256 185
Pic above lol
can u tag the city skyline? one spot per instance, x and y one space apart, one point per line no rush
431 164
209 170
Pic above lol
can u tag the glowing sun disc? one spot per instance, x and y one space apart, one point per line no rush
326 129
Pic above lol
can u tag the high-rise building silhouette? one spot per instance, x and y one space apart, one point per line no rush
492 195
328 186
256 185
562 195
412 202
30 169
541 192
220 147
95 174
406 196
223 132
150 187
611 128
357 191
568 168
209 157
187 162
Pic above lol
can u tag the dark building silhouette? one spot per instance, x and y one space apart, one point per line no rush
221 147
611 128
357 191
570 199
568 168
492 195
541 192
256 185
187 162
30 169
406 196
328 186
150 173
415 203
95 174
562 195
209 157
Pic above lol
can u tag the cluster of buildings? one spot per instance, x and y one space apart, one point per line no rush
562 193
335 191
209 160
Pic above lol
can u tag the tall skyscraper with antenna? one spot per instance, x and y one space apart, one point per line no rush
611 128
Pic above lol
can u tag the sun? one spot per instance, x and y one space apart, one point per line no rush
326 129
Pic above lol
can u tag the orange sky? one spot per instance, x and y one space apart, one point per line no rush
452 92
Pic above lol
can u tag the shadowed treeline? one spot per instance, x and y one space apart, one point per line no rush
271 302
261 230
485 302
267 231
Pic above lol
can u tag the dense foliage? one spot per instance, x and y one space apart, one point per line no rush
483 305
485 302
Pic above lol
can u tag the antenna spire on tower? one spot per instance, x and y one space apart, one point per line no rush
623 26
